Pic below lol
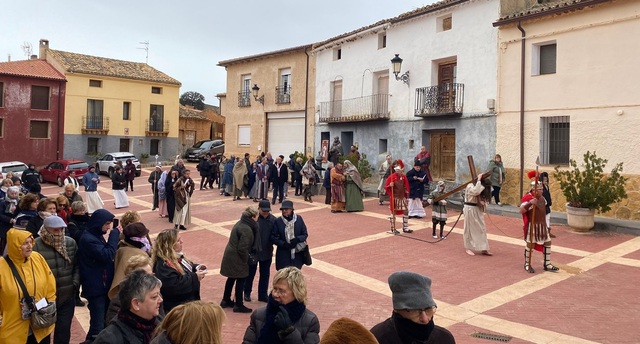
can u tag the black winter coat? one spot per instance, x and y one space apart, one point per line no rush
118 181
236 254
67 274
265 227
279 178
283 252
204 167
117 333
307 329
386 333
176 288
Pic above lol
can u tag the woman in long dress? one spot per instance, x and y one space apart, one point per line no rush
337 189
171 199
162 194
353 188
476 198
183 189
262 180
118 183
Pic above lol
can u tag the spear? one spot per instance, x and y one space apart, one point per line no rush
533 213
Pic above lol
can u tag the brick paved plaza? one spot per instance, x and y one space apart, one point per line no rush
593 299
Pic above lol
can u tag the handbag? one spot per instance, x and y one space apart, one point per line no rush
303 248
40 318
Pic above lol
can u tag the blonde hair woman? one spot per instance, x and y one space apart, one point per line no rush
192 322
286 318
180 277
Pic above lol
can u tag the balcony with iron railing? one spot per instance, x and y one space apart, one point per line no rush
363 109
157 128
283 94
244 98
442 100
95 125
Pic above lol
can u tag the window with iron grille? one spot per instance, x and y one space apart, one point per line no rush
555 140
244 96
95 119
39 97
39 129
283 91
92 145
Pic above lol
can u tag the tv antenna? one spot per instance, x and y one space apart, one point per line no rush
146 49
27 48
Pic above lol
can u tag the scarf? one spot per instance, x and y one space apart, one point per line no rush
351 170
141 243
139 324
187 265
411 332
268 333
289 231
10 203
56 242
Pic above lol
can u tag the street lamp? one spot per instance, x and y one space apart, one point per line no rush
255 90
397 67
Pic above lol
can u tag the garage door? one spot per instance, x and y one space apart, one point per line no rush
286 133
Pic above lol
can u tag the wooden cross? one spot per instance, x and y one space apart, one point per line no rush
472 169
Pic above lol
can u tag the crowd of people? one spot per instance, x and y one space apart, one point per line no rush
141 291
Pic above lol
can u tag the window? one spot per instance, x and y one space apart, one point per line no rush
444 23
95 83
126 111
156 118
337 54
154 147
554 140
95 119
382 146
411 144
39 97
1 127
244 96
92 145
244 135
283 92
156 90
124 145
382 40
39 130
1 94
543 58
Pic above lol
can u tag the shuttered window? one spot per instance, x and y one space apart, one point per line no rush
39 130
548 59
244 135
40 97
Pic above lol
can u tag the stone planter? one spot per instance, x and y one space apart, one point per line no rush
580 219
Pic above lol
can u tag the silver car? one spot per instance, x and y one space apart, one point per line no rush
107 164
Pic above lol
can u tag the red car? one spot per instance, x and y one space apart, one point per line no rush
58 171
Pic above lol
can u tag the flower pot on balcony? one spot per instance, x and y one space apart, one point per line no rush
580 219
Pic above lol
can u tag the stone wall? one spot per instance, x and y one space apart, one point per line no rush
627 209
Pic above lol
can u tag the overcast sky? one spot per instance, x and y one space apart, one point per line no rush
186 38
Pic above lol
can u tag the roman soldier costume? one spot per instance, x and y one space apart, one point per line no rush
398 193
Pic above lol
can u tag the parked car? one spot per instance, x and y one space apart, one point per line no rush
58 171
12 166
107 164
201 148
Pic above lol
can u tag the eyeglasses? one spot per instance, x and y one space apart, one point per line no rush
279 291
430 312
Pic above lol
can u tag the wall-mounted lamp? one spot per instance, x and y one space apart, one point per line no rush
255 90
397 66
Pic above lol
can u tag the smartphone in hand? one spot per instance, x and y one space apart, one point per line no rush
116 223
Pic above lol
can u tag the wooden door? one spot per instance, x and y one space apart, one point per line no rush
336 99
443 155
446 79
379 102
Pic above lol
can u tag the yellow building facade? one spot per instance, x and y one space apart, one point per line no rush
578 92
269 103
116 106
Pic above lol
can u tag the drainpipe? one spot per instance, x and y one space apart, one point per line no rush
59 143
306 101
522 60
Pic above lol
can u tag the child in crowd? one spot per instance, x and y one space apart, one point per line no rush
438 210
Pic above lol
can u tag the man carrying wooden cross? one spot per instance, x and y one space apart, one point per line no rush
536 232
397 187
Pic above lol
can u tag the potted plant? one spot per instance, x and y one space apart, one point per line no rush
144 157
589 190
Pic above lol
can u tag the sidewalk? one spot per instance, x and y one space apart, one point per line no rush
601 223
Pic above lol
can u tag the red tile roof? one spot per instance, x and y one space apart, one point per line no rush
31 68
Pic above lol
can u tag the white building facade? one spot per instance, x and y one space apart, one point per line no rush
449 50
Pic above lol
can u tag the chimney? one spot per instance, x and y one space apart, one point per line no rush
44 46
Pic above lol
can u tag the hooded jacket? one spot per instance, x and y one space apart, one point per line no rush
38 279
96 255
